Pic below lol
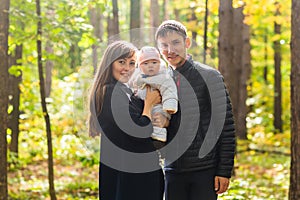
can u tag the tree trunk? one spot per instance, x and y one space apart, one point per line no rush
113 24
43 102
226 50
4 26
236 72
266 57
294 191
154 13
277 87
245 77
234 61
142 26
165 10
96 19
74 54
225 40
135 21
115 17
177 14
110 29
205 32
15 102
154 17
240 76
194 33
49 66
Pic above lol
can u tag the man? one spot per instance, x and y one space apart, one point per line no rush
196 128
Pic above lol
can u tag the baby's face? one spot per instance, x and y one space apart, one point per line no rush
150 67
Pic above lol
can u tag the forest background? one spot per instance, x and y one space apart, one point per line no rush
248 41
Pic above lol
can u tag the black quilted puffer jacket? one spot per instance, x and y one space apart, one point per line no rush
201 135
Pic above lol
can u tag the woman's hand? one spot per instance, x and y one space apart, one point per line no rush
152 97
160 120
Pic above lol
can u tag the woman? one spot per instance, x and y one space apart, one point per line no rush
125 126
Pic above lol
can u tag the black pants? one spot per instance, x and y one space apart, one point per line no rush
190 185
117 185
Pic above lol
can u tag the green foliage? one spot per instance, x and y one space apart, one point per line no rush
66 111
81 190
15 70
262 162
13 161
90 160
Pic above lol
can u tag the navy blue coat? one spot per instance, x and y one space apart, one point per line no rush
114 182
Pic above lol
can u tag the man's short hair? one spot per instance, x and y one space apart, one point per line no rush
170 26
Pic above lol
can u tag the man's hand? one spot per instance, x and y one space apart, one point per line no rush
160 120
221 184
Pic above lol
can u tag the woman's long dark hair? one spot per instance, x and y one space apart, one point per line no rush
116 50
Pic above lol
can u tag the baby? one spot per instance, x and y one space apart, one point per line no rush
153 73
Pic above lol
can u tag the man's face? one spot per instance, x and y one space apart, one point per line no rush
173 47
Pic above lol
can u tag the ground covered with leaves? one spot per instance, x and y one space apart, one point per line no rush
71 181
261 173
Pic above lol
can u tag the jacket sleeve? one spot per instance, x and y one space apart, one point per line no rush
119 114
227 142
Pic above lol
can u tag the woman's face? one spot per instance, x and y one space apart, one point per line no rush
123 68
